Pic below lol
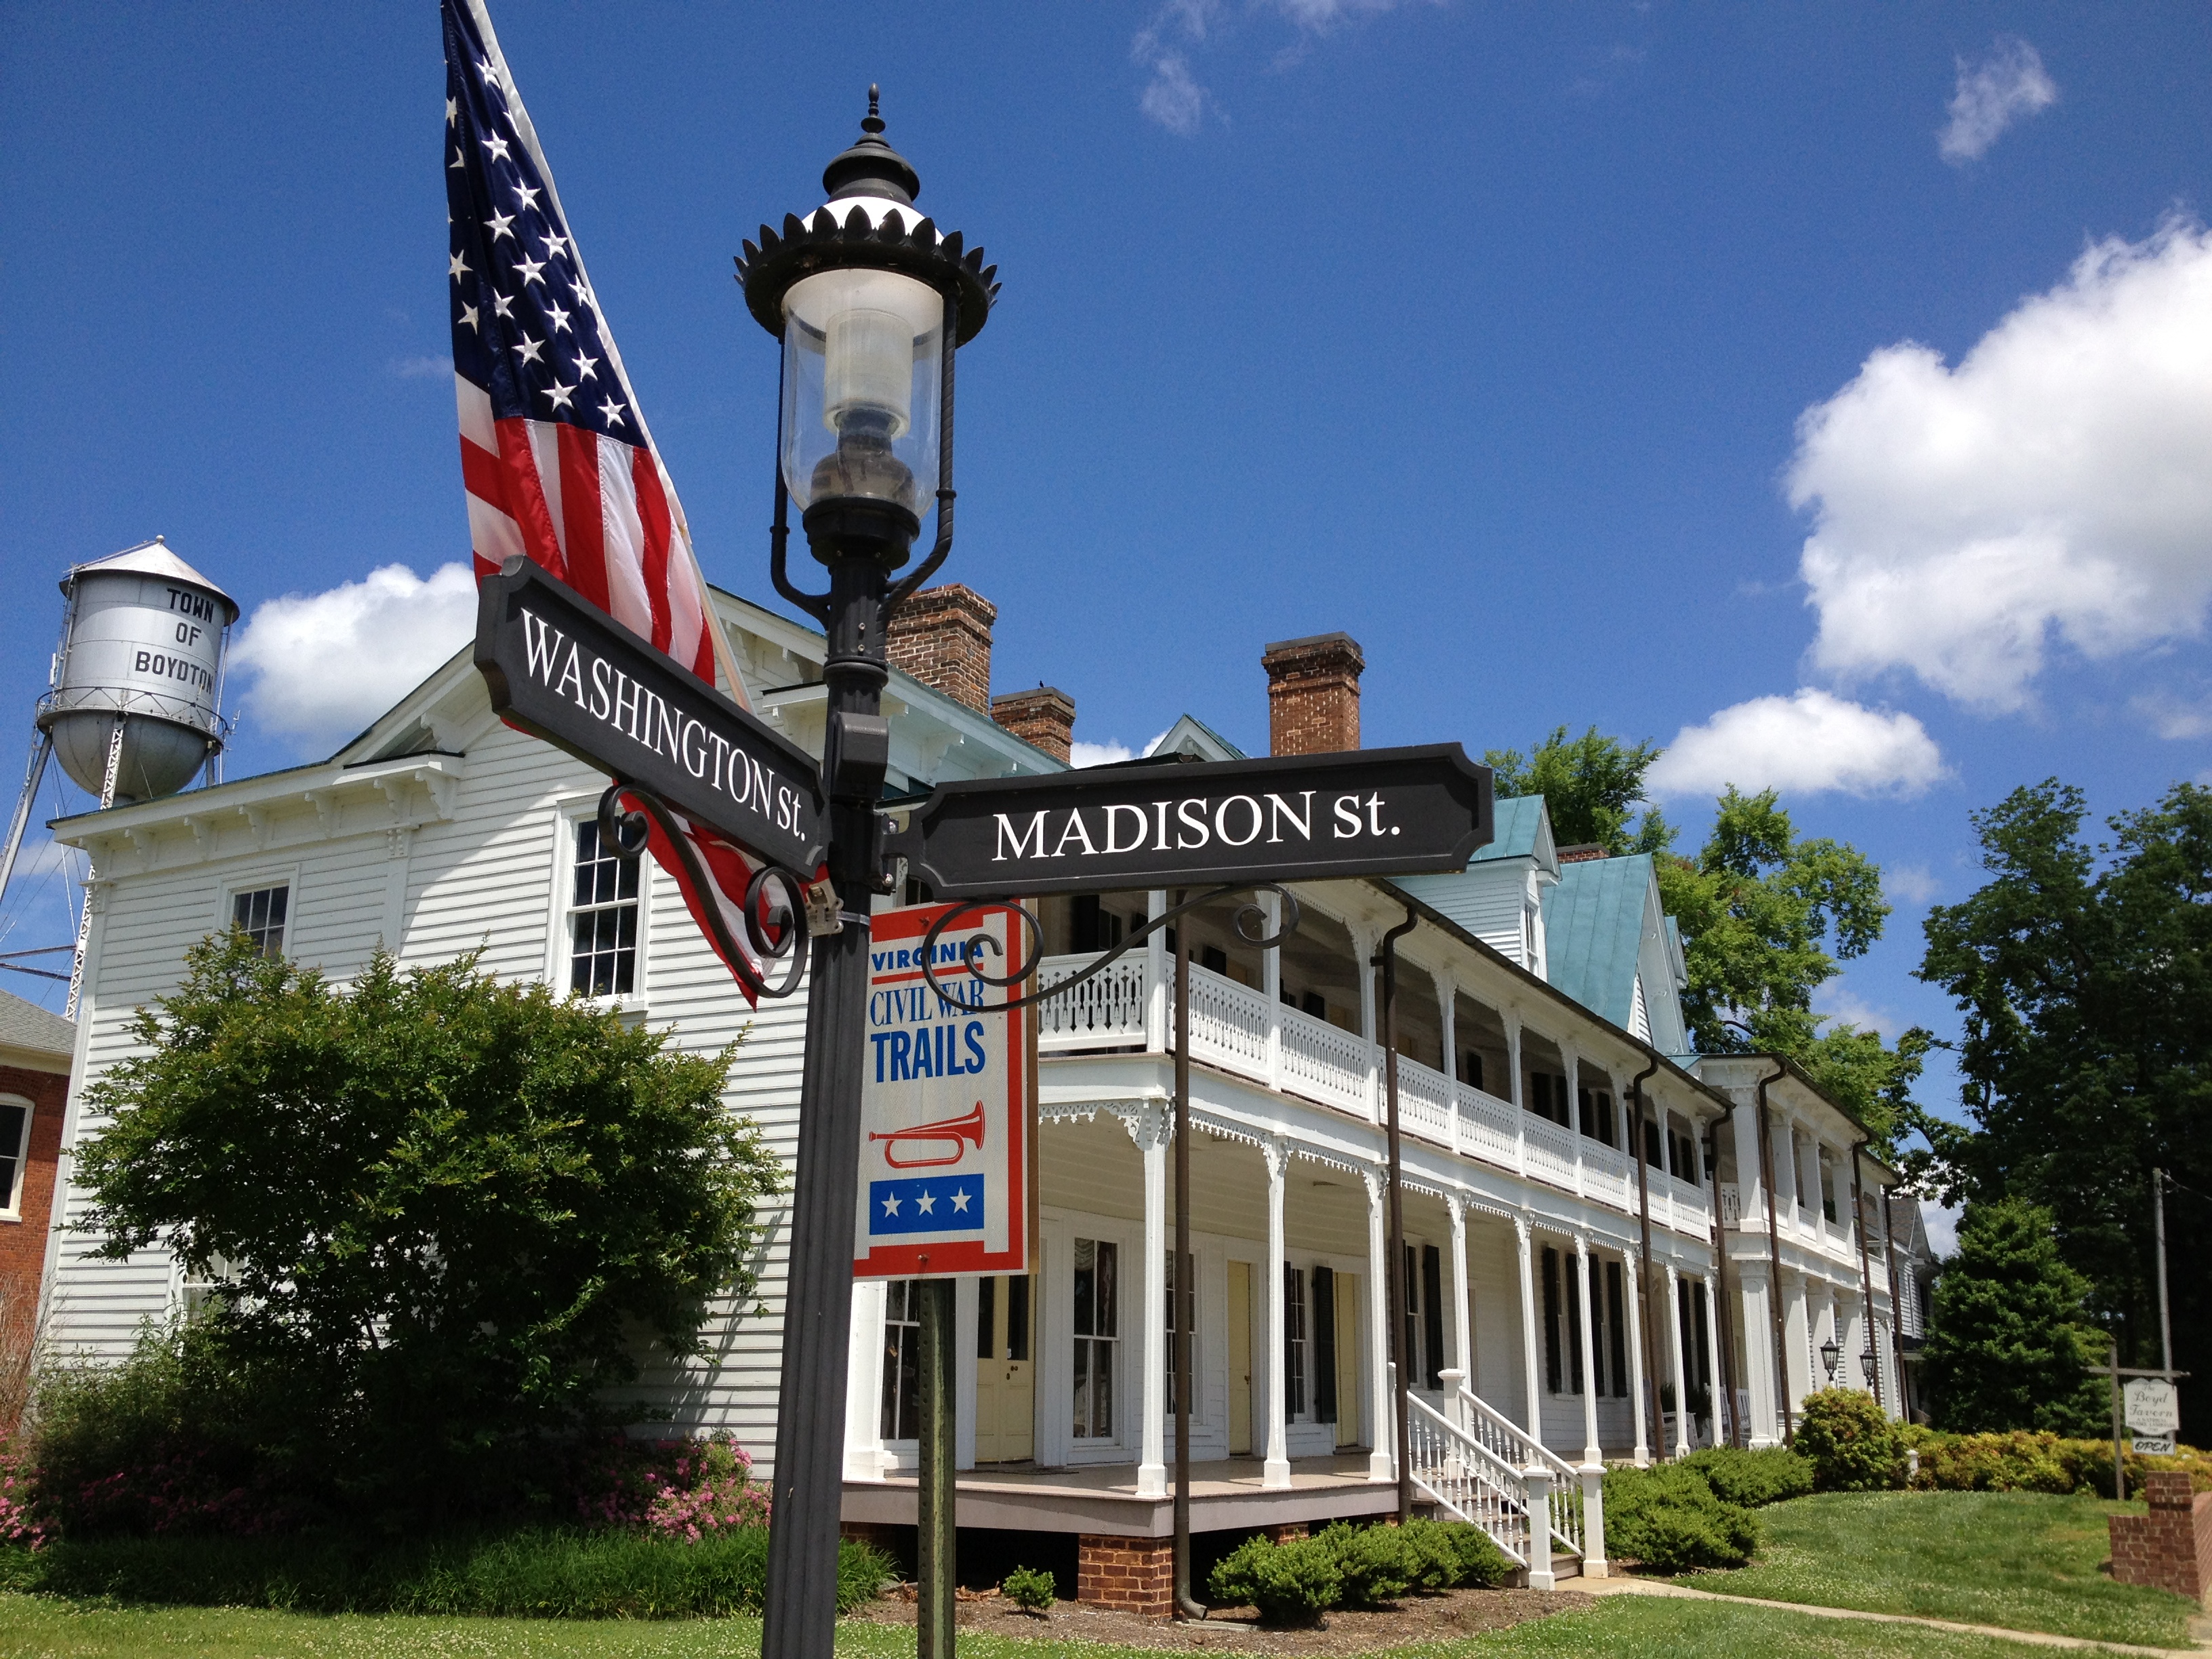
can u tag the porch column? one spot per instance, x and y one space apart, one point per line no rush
864 1382
1634 1303
1592 1453
1271 987
1448 1021
1572 1062
1763 1424
1156 974
1530 1364
1797 1344
1750 1180
1512 1024
1362 945
1681 1370
1150 1130
1723 1408
1462 1297
1275 1475
1381 1465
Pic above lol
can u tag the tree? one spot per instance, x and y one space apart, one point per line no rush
449 1213
2010 1345
1588 784
2083 976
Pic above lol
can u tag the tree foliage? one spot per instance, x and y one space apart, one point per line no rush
2083 976
450 1213
2010 1344
1766 918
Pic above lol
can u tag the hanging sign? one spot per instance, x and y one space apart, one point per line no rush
2151 1406
1305 817
948 1136
562 669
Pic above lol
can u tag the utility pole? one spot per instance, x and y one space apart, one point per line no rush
2158 1223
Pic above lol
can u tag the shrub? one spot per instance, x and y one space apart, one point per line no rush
533 1574
1753 1479
2023 1460
1851 1443
1450 1554
1667 1518
1375 1564
1292 1584
1030 1588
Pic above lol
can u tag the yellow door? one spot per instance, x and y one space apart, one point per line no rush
1239 1359
1006 1369
1347 1359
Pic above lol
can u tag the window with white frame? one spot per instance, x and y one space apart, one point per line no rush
901 1394
603 917
261 914
15 1150
202 1287
1097 1328
1294 1340
1174 1312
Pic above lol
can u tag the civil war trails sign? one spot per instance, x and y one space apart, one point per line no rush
561 669
1308 817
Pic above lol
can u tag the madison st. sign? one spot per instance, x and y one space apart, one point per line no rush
562 669
1372 813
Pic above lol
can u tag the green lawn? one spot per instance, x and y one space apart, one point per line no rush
1645 1627
2022 1560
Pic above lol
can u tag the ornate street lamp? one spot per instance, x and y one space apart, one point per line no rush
1830 1356
1866 1364
869 302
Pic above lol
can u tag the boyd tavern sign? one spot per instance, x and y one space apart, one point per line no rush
1370 812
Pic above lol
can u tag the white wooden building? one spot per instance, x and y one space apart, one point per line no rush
1534 992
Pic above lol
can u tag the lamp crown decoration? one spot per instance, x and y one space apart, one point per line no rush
871 166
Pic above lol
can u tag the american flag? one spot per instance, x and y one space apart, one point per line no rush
557 462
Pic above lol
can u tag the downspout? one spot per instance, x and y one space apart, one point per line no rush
1896 1308
1395 1277
1644 1283
1866 1270
1774 1254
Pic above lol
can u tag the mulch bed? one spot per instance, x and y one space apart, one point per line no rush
1416 1619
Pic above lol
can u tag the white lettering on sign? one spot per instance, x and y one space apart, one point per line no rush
1187 825
642 716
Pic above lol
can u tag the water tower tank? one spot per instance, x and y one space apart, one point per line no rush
143 644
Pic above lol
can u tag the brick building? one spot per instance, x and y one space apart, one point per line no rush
36 1050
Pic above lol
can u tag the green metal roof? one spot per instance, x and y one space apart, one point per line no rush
1593 931
1518 819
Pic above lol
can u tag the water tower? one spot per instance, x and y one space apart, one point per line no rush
134 709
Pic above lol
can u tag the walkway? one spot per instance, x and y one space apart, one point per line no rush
1623 1586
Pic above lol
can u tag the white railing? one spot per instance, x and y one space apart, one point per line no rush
1232 1026
1107 1010
1465 1478
1731 1204
1503 1439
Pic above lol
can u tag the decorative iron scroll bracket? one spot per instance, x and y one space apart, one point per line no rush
971 949
773 925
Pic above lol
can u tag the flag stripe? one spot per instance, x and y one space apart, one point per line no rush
583 520
652 513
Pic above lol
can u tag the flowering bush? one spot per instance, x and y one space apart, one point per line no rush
686 1489
20 1524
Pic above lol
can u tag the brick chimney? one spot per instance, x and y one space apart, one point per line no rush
942 637
1313 694
1045 717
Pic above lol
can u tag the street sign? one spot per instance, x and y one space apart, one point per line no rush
947 1180
561 669
1306 818
2151 1406
2153 1445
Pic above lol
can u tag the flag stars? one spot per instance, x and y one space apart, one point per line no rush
525 194
561 394
612 411
560 317
457 267
528 349
501 305
453 111
529 269
496 147
588 369
556 244
469 316
500 223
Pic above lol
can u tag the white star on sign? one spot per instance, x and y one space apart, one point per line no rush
925 1204
560 394
891 1205
499 223
529 268
458 268
959 1202
469 316
496 147
586 368
613 411
530 349
560 317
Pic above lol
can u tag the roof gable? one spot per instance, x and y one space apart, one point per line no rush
1594 921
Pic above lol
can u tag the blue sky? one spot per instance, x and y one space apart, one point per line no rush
1610 364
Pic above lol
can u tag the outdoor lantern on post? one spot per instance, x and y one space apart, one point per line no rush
1831 1355
1867 1363
869 302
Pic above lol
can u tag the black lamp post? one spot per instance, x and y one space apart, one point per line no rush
1866 1364
1830 1355
869 302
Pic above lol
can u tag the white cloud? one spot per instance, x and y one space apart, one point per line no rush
326 665
1941 1221
1914 883
2053 486
1802 745
1992 94
2174 717
1080 753
1833 1003
1173 96
422 369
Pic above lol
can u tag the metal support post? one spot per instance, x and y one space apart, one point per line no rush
1401 1362
2158 1223
2120 1448
935 1529
1185 1289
